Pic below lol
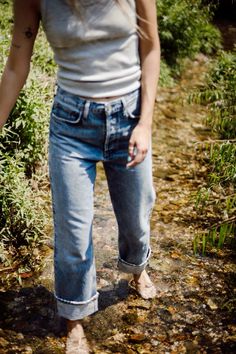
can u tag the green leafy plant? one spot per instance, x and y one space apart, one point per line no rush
25 133
166 78
22 211
214 239
185 29
43 58
23 147
219 95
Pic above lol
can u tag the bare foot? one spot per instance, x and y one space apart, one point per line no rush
76 342
143 285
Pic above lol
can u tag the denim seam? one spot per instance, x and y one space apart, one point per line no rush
54 116
136 265
77 302
106 143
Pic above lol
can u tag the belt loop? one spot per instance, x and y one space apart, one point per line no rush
86 109
108 108
124 103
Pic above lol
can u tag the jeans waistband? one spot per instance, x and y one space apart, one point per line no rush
89 105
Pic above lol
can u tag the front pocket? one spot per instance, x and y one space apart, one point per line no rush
65 113
133 107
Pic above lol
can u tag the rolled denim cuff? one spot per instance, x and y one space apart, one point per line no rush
78 311
126 267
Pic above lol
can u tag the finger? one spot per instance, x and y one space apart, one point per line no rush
138 158
131 149
132 154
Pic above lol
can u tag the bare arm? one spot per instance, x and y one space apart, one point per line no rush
26 24
150 67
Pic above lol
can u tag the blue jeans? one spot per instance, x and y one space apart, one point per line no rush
82 133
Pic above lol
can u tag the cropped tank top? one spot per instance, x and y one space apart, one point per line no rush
96 49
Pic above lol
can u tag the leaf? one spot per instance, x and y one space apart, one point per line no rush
212 304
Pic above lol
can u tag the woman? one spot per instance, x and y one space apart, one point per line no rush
107 77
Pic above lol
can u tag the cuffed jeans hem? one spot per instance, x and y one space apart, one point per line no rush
77 311
132 268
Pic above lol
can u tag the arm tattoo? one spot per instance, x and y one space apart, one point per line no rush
28 33
17 46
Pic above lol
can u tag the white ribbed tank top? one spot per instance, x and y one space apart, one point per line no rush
96 49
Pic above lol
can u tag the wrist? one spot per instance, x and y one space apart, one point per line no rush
145 124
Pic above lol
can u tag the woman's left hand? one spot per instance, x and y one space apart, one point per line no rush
138 144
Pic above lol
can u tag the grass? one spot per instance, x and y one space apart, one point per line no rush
219 196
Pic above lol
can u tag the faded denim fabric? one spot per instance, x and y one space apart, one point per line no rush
82 133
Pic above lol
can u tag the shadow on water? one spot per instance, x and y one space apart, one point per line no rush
32 310
109 296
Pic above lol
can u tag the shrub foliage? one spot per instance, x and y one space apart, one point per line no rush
23 146
185 29
23 216
219 95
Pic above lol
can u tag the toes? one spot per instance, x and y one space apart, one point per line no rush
145 290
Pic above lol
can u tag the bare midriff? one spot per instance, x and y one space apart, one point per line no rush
101 99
